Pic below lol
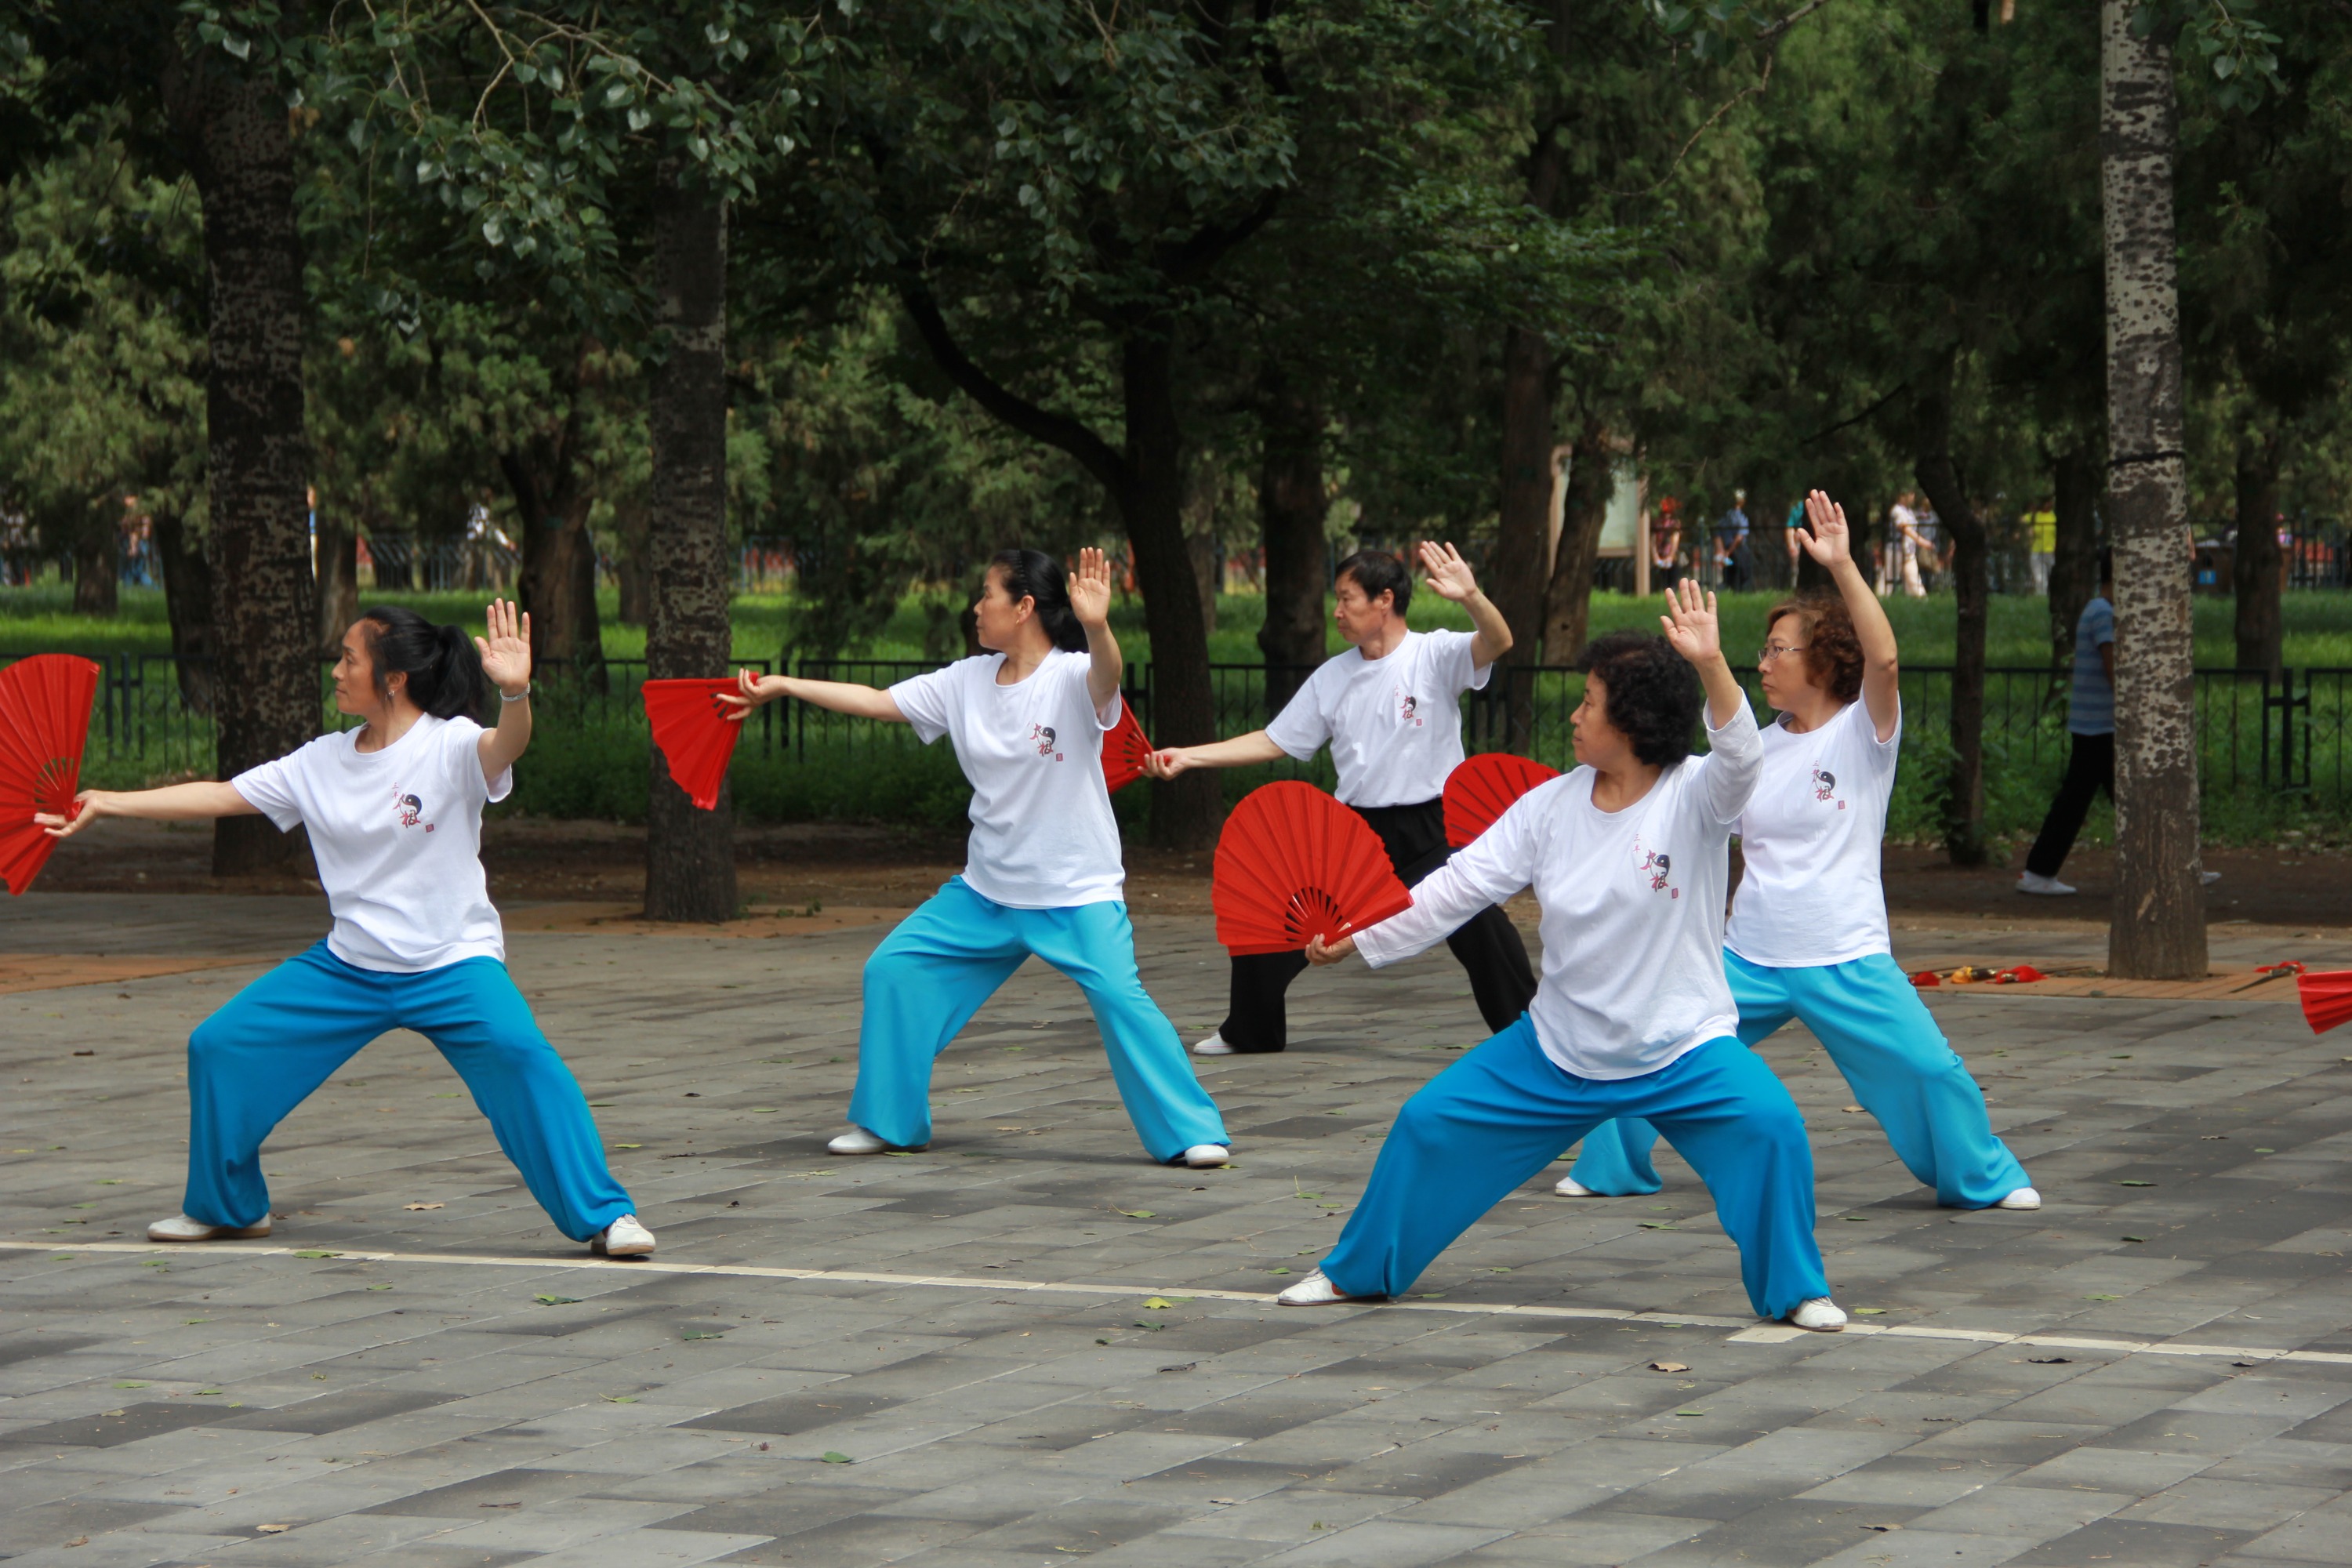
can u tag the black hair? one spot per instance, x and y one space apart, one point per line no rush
2106 565
444 672
1033 574
1654 696
1376 571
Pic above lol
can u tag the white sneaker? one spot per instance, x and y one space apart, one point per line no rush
857 1141
624 1237
1820 1314
2024 1198
1569 1187
1207 1156
2209 878
2034 882
1316 1291
180 1228
1214 1046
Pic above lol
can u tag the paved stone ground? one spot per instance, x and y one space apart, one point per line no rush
1027 1344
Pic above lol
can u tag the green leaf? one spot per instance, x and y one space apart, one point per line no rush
557 1301
831 1457
317 1252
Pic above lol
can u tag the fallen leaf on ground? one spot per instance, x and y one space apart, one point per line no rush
419 1208
830 1458
273 1529
1139 1213
557 1301
1851 1109
1668 1366
2049 1360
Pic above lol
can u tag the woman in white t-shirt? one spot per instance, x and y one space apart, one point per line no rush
1628 854
1390 709
394 814
1044 875
1808 938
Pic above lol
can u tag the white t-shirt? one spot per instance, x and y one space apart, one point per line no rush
1811 893
1394 724
398 838
1631 903
1043 836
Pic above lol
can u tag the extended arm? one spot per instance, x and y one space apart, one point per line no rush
1090 602
1495 865
506 660
172 803
1238 753
1831 542
840 696
1450 578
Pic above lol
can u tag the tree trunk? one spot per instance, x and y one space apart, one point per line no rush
188 604
1290 509
1584 512
1516 573
2254 562
1185 810
2159 927
257 451
689 853
339 580
557 582
2075 561
1964 835
97 569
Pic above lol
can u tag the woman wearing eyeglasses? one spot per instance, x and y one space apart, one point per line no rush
1807 935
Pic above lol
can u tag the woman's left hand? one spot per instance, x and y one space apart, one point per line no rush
1690 624
1090 589
1318 954
505 652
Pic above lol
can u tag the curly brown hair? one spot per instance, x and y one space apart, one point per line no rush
1832 651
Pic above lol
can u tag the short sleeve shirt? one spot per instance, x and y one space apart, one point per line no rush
1812 893
398 833
1394 724
2091 696
1043 836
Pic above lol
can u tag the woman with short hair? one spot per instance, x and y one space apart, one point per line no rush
1628 856
394 814
1808 937
1043 876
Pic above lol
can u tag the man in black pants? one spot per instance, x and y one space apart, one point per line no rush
2090 737
1390 709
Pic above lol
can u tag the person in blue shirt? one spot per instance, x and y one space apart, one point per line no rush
2090 740
1731 561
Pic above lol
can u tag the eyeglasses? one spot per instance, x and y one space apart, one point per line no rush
1772 650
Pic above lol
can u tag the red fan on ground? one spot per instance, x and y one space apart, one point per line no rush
1124 750
2326 998
1483 788
44 720
695 735
1296 864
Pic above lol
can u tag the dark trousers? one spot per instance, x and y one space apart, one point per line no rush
2090 768
1489 946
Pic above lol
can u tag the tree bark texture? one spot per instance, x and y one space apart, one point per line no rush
97 569
1584 512
689 853
338 567
267 698
2255 563
2075 561
1939 476
188 605
2159 926
557 583
1185 810
1290 509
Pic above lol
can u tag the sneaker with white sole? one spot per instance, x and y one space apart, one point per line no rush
1569 1187
1208 1157
2035 882
180 1228
1821 1315
1214 1046
2024 1198
624 1237
1315 1290
857 1141
2209 878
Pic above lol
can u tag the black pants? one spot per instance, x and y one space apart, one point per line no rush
2090 768
1487 944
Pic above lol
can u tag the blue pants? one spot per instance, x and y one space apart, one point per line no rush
283 1035
931 975
1870 1019
1500 1114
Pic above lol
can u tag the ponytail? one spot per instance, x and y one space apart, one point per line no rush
1036 576
444 672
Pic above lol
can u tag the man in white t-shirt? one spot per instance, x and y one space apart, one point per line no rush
1390 709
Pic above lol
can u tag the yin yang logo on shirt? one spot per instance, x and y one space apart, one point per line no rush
1409 709
1825 786
1044 735
412 811
1656 866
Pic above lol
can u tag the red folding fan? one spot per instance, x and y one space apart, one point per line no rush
44 720
1483 787
2326 998
1295 864
1124 750
695 735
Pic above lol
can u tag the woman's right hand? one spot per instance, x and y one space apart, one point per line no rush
750 691
1167 765
88 806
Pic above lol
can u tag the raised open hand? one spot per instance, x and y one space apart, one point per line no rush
505 652
1090 588
1827 540
1689 623
1450 576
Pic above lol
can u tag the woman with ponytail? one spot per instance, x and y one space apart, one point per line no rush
394 812
1043 876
